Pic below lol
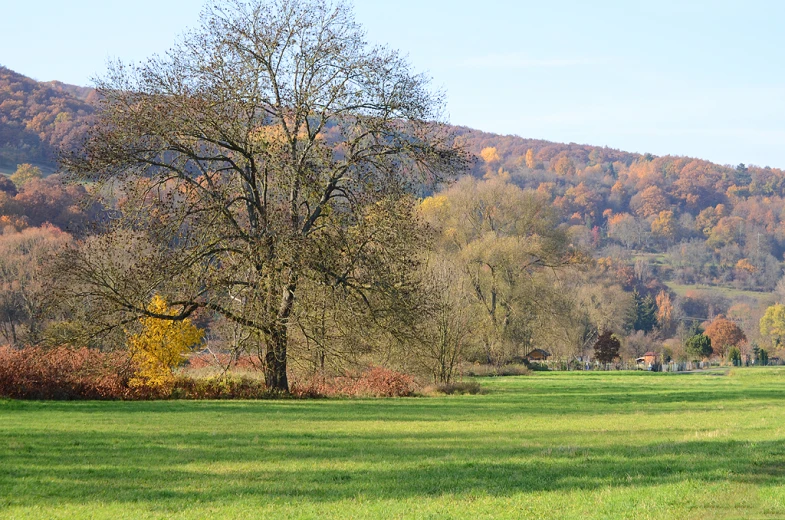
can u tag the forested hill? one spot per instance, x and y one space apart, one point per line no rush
512 149
718 224
36 118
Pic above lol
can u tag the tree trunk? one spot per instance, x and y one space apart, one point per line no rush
275 360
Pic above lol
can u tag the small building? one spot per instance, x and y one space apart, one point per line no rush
537 354
646 361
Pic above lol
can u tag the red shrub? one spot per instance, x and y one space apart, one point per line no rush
248 363
383 382
317 386
374 382
64 373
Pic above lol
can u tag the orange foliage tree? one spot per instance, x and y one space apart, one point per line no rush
649 203
664 226
724 334
564 166
664 310
531 162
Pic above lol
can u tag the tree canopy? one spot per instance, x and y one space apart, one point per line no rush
772 324
724 334
607 347
507 241
272 150
699 346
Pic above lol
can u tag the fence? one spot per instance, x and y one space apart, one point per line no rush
684 366
654 367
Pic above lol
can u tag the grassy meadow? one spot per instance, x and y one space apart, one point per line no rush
550 445
763 298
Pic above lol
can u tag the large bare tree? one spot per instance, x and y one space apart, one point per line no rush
270 147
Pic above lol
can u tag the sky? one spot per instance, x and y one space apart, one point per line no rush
702 78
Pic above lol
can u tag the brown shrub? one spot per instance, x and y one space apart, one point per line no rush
458 388
230 387
383 382
315 387
493 370
65 373
206 360
373 382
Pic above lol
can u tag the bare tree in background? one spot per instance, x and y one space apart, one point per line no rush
505 240
271 147
23 270
449 324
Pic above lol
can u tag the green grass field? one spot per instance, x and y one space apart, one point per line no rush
727 292
551 445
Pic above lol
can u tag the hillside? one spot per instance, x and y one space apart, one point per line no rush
689 220
37 118
711 224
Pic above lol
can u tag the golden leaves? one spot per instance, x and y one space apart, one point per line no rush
490 154
161 345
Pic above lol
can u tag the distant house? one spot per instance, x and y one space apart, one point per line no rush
537 354
649 358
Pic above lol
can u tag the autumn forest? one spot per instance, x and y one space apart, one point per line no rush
260 264
489 247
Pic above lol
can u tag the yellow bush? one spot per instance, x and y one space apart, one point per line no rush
161 346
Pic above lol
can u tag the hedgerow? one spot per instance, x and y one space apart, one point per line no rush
64 373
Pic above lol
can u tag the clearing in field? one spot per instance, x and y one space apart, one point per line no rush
552 445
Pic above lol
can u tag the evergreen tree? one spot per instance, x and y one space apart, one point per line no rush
743 177
699 346
755 351
734 356
644 312
695 328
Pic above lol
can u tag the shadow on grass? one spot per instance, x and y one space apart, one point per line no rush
172 454
329 467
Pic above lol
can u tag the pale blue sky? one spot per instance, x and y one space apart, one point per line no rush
698 78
